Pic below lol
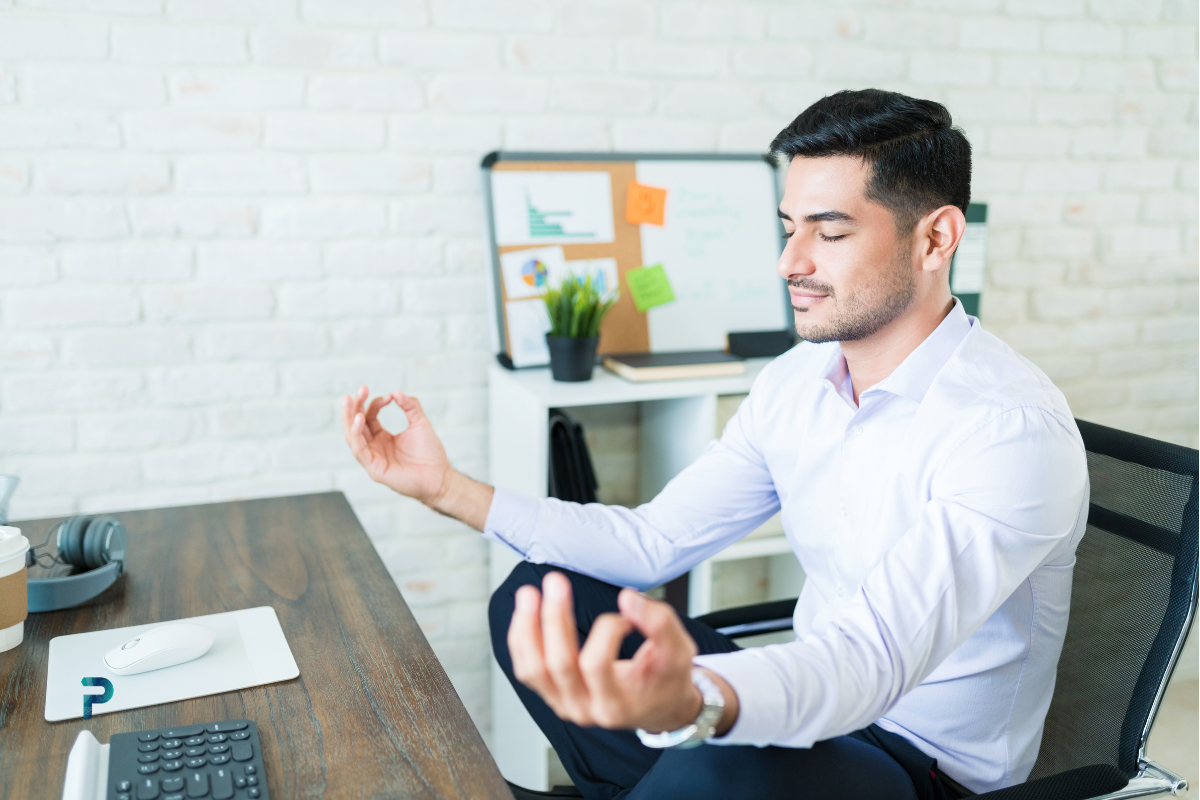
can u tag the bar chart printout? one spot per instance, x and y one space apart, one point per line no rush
552 207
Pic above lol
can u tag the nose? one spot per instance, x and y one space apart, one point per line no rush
795 260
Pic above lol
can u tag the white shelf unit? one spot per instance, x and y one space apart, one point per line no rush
678 420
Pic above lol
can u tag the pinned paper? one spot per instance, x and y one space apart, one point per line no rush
603 272
528 324
541 208
649 287
645 204
528 273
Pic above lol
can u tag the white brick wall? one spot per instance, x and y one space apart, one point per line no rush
216 216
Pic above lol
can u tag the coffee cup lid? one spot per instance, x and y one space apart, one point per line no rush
12 543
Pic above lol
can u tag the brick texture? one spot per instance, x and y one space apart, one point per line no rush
216 217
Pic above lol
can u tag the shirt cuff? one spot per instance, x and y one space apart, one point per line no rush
761 697
511 519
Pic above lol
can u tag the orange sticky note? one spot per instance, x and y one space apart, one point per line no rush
645 204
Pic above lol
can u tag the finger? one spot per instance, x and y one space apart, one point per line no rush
657 621
525 644
560 642
597 661
372 413
357 439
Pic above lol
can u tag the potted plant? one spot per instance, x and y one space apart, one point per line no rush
576 308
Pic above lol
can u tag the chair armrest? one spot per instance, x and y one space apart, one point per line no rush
1097 782
747 620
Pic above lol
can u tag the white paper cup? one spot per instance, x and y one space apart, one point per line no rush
14 600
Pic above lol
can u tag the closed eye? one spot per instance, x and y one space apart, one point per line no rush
833 238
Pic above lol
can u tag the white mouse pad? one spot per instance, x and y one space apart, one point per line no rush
250 650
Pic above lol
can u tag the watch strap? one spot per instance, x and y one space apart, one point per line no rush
702 728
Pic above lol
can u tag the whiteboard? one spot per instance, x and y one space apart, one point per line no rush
719 246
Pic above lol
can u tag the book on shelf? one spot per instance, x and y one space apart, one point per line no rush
640 367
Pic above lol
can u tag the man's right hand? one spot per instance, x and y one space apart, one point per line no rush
412 462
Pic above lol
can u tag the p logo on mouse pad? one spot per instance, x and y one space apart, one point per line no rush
103 697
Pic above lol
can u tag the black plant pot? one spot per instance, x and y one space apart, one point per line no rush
572 359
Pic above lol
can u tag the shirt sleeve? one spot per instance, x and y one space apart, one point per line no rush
1010 498
718 499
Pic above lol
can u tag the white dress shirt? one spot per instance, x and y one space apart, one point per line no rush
936 522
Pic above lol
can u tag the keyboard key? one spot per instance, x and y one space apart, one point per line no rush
172 766
147 789
222 784
252 781
172 754
195 763
173 796
217 737
146 758
148 769
124 786
192 752
240 783
192 741
147 737
172 784
171 744
253 792
179 733
218 748
197 784
124 796
225 727
221 759
240 735
242 751
251 769
149 747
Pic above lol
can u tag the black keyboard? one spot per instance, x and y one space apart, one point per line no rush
217 760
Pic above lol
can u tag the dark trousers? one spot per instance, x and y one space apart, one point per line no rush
871 763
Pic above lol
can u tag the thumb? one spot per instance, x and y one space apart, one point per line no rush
411 407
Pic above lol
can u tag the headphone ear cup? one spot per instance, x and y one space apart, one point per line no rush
93 542
70 540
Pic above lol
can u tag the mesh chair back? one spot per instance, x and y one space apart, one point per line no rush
1132 598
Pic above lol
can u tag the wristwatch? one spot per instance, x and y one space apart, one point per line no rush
705 725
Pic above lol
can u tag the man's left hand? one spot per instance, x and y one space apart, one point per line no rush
590 687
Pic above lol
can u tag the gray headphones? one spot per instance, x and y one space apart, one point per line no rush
95 545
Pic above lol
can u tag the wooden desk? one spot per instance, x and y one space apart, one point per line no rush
372 713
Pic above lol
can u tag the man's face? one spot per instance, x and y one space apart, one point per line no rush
848 272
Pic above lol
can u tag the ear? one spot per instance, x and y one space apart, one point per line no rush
938 235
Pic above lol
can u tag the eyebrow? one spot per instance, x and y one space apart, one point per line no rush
823 216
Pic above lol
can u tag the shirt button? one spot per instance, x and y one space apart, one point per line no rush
858 431
841 592
844 512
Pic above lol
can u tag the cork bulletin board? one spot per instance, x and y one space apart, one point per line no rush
718 243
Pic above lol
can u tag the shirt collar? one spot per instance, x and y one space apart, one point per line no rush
916 372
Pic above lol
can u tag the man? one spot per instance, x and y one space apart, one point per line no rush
931 481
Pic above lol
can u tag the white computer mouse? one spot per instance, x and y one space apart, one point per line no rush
164 646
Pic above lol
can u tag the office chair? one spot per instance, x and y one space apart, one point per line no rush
1132 601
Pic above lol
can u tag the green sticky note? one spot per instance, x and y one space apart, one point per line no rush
649 287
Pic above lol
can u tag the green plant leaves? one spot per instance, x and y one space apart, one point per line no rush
576 307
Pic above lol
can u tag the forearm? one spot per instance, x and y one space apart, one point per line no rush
465 499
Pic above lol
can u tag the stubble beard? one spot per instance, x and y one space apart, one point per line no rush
862 313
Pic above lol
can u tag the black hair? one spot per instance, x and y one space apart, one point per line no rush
918 160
